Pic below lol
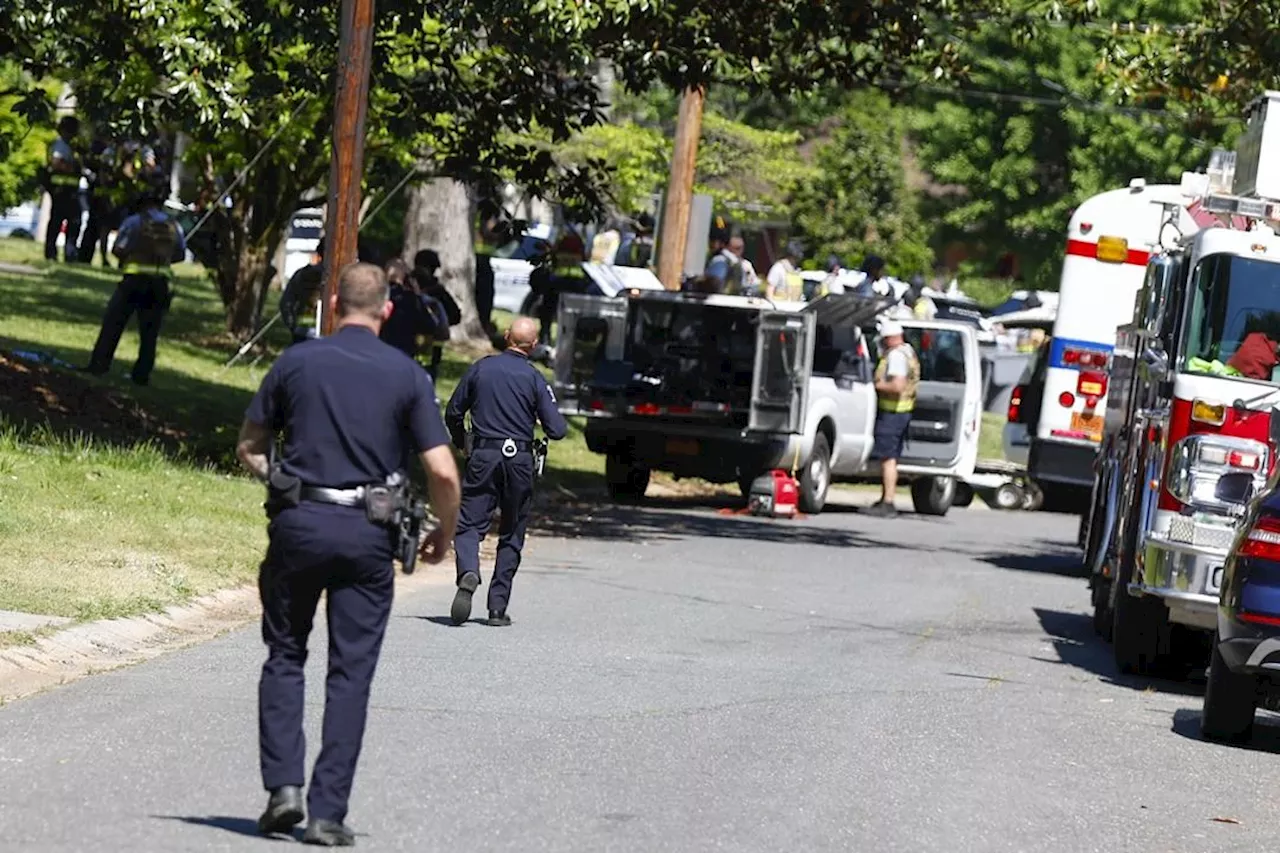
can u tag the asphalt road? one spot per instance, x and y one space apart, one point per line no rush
679 680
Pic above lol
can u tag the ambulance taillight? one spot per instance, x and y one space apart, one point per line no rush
1084 358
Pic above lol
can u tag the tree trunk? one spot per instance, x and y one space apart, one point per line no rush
439 217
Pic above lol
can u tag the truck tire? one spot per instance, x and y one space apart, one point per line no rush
1139 632
964 496
815 478
933 495
625 480
1230 699
1102 615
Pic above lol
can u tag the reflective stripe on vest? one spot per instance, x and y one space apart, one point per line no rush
905 401
62 180
146 269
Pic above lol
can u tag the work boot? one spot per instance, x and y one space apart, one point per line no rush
461 610
499 619
881 509
328 833
284 811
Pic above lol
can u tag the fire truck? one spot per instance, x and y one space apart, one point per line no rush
1193 381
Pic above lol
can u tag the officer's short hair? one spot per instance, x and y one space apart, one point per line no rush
362 289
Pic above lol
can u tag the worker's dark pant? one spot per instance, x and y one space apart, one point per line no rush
318 548
146 295
64 207
102 220
507 484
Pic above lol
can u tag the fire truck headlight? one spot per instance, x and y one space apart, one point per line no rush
1197 463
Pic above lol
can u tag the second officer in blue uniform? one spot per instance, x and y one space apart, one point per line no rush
351 410
506 396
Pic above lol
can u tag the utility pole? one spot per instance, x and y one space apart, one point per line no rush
351 104
675 215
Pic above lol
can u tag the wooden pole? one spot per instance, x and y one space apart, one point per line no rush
674 238
350 107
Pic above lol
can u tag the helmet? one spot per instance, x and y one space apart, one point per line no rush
890 329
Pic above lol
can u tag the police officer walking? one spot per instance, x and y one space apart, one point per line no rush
64 172
505 395
351 410
146 244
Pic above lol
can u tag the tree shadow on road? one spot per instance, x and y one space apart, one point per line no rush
237 825
1077 645
647 523
1266 732
1056 559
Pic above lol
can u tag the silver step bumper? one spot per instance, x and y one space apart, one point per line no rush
1187 576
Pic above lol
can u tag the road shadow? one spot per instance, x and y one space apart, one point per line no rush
446 622
1055 559
235 825
1076 645
619 523
1266 732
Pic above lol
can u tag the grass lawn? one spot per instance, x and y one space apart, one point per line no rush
991 436
115 499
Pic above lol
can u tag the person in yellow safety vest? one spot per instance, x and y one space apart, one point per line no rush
784 283
896 379
63 184
146 244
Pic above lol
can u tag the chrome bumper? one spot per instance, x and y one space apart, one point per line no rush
1187 576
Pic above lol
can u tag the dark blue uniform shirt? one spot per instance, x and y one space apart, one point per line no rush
350 407
504 394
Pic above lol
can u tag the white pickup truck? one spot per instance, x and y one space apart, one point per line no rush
725 388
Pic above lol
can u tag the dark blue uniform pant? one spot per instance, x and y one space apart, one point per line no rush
64 206
146 295
334 550
507 484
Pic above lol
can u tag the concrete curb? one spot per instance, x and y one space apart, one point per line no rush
71 654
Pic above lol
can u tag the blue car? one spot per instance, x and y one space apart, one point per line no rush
1244 669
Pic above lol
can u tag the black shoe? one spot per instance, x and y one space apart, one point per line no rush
284 811
328 833
881 510
461 610
499 619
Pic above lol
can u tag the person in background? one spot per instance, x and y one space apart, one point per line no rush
300 296
874 282
562 273
725 265
832 283
784 281
148 243
604 247
63 185
750 279
425 265
637 248
922 306
897 377
416 320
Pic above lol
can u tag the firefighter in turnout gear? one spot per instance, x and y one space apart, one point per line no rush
147 244
897 377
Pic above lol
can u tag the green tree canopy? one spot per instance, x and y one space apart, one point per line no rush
856 202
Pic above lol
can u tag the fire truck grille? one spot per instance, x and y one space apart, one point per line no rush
1188 530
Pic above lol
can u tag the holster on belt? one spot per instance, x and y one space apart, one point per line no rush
284 491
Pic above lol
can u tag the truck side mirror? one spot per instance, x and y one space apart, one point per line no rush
1156 360
1161 271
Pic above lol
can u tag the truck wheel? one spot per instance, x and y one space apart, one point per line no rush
1139 630
1009 496
815 479
625 480
1229 702
964 495
1034 499
933 495
1102 616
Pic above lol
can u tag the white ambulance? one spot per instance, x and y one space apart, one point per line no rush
1109 240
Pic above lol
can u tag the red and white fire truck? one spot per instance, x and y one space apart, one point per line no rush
1193 382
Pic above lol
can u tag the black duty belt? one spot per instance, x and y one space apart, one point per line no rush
341 497
509 446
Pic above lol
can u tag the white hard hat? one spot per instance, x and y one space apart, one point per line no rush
890 329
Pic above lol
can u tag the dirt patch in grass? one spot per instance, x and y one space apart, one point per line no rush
34 395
